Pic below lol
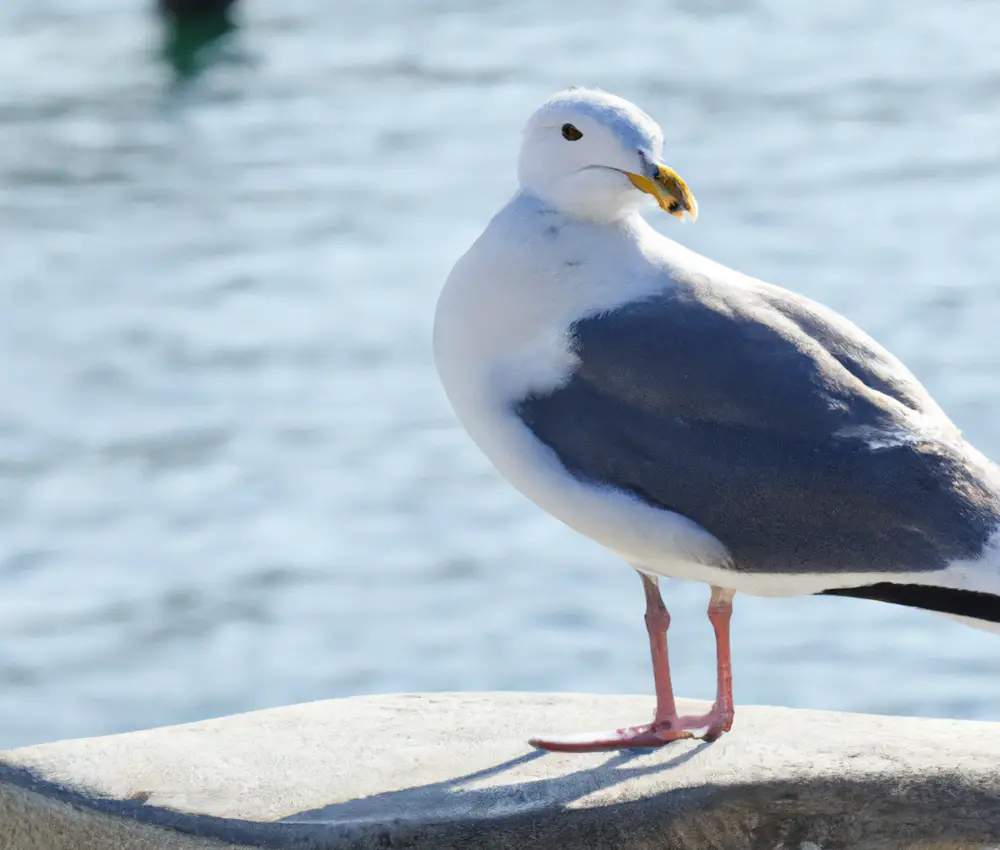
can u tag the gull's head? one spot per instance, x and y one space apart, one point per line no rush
596 156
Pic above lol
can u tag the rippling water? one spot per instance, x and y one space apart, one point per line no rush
228 476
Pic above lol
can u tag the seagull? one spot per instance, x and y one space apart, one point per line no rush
698 422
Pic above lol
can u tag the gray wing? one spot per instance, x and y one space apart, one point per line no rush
775 424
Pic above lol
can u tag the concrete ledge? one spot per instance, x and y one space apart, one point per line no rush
454 771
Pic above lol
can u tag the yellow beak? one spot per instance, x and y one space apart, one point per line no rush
670 191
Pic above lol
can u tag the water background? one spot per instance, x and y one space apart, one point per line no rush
228 476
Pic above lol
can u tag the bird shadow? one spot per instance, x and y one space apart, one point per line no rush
456 794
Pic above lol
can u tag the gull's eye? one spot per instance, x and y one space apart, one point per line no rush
570 133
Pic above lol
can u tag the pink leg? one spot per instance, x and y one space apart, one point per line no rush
719 719
666 726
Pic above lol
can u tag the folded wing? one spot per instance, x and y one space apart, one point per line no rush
775 424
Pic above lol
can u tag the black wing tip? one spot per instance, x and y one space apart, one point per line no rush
973 604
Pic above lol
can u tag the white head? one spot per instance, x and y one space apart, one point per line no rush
592 155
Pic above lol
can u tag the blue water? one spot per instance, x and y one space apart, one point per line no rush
228 476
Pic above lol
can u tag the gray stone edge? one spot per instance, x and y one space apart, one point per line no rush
828 812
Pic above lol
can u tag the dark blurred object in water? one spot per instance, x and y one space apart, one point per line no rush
184 10
194 29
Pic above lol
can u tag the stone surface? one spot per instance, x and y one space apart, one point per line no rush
454 770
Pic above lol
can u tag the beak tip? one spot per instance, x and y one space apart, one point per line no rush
691 207
669 190
674 195
683 211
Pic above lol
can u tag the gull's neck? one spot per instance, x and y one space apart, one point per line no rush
534 258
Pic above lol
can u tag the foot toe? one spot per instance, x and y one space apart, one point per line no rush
650 736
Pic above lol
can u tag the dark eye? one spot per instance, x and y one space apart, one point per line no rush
570 133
